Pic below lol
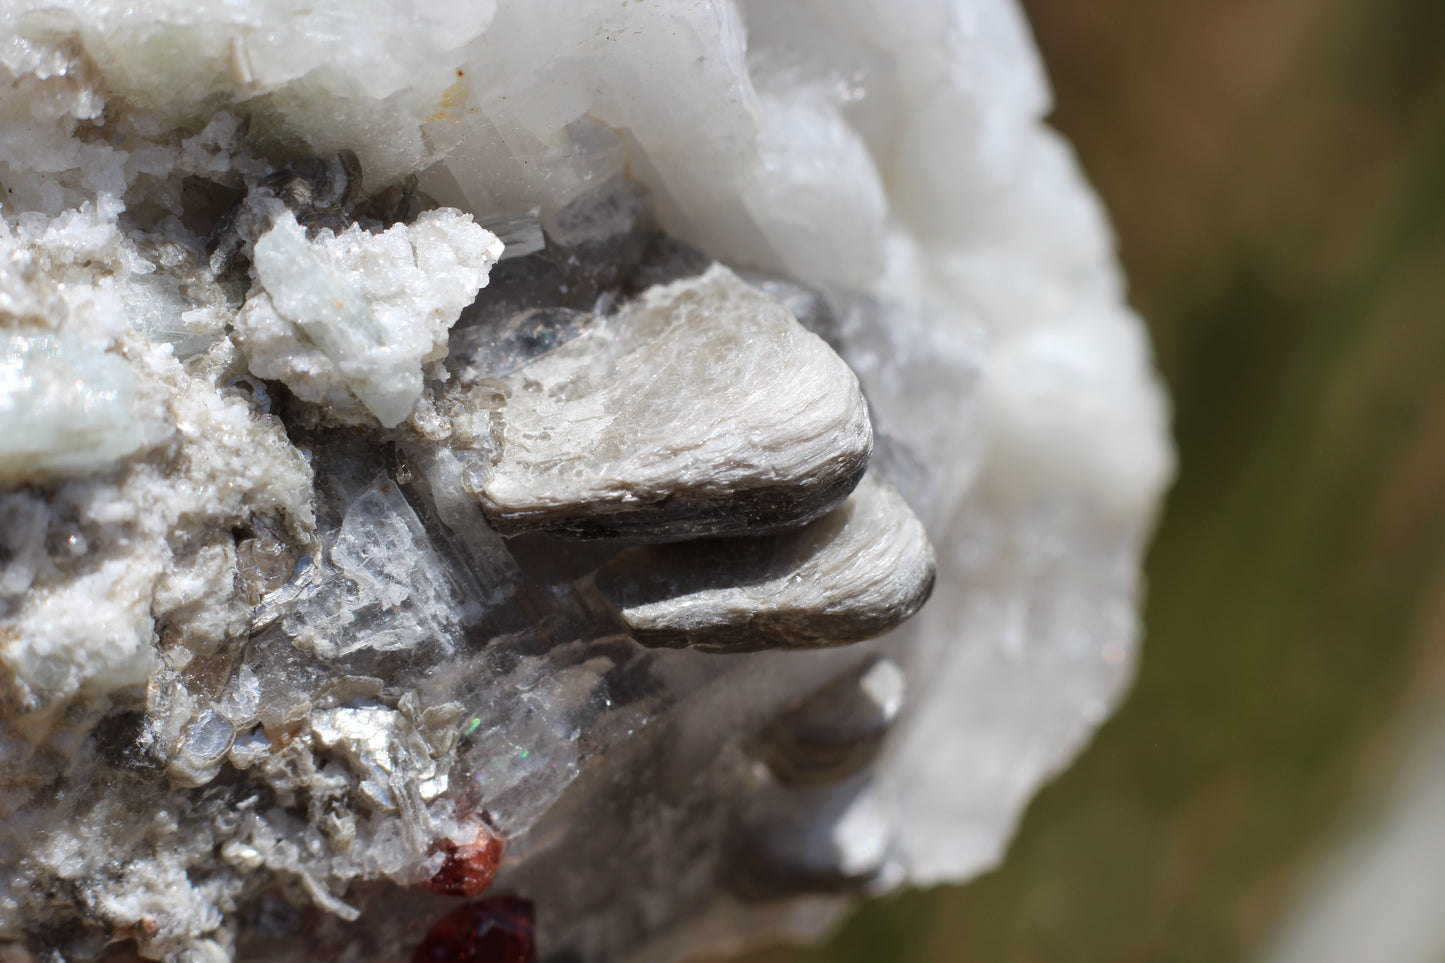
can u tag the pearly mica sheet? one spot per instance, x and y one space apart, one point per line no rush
859 570
702 408
250 602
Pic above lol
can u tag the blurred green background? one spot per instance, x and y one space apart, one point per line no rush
1276 174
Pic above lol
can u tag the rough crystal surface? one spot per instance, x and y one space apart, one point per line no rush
325 328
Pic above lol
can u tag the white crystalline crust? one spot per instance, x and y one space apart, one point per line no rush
153 510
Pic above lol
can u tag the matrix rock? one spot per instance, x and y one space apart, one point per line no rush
542 479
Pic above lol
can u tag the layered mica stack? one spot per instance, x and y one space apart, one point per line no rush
472 475
852 574
703 408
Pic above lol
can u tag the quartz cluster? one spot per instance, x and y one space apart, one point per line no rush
519 439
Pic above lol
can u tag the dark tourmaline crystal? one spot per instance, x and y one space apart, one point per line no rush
497 930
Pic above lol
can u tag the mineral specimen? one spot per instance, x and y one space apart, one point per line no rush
467 868
493 930
703 408
518 439
852 574
347 321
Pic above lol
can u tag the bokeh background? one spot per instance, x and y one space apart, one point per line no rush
1276 174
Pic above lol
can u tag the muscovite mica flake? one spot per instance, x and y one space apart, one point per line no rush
468 439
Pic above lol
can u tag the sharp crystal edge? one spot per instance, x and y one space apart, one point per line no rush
504 448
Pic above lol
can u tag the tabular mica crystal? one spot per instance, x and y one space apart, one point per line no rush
846 577
510 447
702 408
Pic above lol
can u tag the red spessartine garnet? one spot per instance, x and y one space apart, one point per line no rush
497 930
468 868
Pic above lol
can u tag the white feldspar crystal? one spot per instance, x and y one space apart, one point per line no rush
292 447
68 407
70 401
348 321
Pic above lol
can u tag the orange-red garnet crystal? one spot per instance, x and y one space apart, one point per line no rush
468 867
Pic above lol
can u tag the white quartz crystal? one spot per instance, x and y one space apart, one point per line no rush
307 478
